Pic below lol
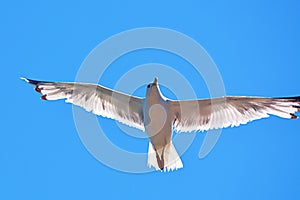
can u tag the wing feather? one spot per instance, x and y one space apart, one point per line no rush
95 98
202 115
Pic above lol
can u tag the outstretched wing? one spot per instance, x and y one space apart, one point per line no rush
95 98
195 115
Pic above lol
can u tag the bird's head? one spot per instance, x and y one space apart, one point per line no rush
152 88
154 84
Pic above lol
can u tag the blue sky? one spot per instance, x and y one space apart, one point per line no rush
255 46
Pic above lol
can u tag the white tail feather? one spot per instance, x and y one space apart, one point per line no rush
172 160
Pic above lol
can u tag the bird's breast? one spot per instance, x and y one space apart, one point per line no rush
157 123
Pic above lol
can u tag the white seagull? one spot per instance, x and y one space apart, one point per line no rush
158 116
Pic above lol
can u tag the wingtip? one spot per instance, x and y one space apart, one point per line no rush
44 97
38 89
293 116
24 79
30 81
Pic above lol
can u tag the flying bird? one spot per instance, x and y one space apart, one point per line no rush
158 116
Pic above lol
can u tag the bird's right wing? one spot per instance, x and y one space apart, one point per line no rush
195 115
95 98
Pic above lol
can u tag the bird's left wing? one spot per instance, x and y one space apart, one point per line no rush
201 115
95 98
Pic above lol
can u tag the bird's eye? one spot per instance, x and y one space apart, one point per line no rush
148 86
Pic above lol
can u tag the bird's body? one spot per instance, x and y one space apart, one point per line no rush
159 116
158 126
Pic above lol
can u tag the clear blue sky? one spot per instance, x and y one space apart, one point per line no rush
255 46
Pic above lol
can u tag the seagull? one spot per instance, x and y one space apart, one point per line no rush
158 116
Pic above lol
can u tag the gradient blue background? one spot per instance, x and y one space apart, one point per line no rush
255 46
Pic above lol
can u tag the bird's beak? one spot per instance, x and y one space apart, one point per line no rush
155 81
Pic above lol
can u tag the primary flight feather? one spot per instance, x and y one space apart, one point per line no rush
158 116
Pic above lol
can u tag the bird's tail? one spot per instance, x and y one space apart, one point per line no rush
165 159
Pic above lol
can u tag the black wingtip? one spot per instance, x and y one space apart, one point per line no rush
293 116
44 97
30 81
294 98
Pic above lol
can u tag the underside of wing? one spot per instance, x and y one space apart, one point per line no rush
95 98
201 115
